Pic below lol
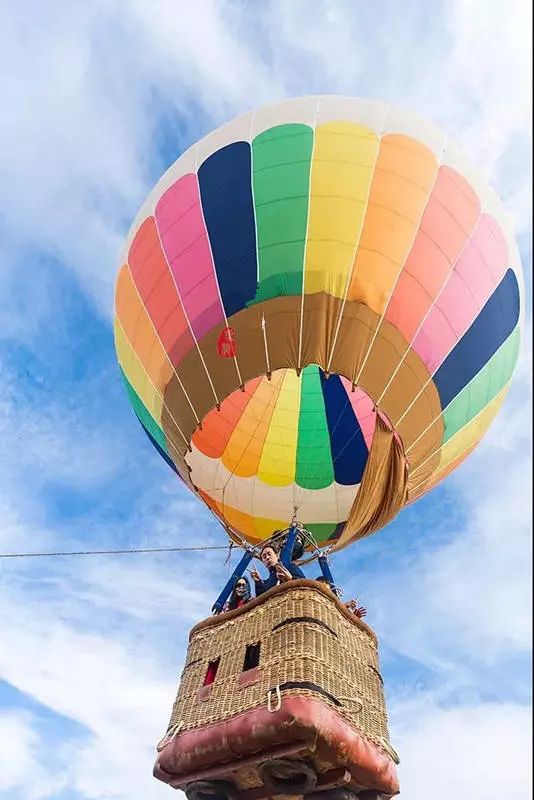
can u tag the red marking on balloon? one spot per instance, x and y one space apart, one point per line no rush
226 343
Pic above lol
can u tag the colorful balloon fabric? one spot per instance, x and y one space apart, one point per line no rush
296 270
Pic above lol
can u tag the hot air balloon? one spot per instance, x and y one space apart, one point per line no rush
318 316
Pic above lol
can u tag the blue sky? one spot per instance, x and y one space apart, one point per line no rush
98 99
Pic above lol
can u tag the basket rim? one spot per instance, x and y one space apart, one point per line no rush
297 583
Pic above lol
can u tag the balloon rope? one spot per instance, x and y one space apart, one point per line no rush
356 247
113 552
400 272
308 213
466 387
430 379
158 337
240 379
156 390
265 345
452 268
272 400
184 311
498 397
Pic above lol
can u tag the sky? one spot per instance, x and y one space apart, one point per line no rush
97 100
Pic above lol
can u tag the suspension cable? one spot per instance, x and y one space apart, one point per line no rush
112 552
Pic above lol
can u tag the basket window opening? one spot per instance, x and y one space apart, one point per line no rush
211 672
252 656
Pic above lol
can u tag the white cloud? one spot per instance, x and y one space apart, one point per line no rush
101 647
55 438
203 47
476 752
20 765
115 692
100 642
76 149
64 142
462 607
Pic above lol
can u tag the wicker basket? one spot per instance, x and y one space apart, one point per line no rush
310 645
291 675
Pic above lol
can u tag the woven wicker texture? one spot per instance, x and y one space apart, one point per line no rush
327 649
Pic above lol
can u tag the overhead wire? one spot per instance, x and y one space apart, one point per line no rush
114 552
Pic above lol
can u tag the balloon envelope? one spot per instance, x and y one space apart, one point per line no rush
292 273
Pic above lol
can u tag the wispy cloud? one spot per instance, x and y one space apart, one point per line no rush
470 751
20 765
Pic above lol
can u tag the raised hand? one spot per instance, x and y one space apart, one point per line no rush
282 573
255 575
354 608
